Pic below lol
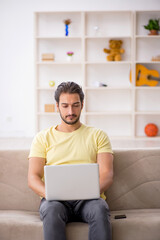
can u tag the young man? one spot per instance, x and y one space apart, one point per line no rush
71 142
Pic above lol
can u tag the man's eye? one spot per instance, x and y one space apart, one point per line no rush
76 105
65 106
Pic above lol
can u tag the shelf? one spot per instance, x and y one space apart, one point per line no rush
56 13
122 109
147 113
58 63
147 88
108 113
48 113
107 88
46 88
148 36
57 38
109 23
108 37
98 44
137 138
146 138
108 62
147 62
146 48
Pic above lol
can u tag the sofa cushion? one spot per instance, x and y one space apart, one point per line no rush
140 224
15 194
26 225
18 225
136 182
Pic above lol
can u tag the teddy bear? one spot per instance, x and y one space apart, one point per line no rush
115 50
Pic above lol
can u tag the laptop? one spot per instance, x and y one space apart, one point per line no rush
72 182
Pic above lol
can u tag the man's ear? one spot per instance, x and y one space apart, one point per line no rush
82 105
57 105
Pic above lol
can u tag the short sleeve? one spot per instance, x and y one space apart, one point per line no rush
103 143
38 147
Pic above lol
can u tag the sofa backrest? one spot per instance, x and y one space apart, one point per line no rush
14 191
136 180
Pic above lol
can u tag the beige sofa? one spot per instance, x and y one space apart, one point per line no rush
135 192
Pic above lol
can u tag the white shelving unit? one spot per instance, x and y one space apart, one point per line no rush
147 98
121 109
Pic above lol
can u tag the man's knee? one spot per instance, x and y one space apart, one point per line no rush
52 210
97 209
100 209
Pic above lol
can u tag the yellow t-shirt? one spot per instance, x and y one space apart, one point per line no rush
77 147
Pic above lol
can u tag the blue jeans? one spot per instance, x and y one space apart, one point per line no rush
55 215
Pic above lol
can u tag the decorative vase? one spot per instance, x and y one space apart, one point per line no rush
66 30
69 58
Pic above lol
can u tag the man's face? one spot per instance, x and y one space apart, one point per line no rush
70 108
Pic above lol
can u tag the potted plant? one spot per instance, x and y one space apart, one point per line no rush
69 56
153 26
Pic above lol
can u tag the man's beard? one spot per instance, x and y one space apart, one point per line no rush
68 122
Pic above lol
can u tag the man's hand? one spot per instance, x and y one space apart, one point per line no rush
105 161
35 174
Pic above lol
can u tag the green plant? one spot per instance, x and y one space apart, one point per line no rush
153 24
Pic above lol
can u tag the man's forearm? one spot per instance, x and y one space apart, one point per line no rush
37 185
105 161
105 182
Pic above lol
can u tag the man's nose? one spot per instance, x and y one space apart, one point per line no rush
70 110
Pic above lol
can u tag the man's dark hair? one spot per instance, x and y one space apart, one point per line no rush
68 87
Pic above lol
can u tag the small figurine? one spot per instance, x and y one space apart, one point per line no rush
99 84
51 83
96 29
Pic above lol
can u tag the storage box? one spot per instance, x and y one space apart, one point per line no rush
49 107
47 57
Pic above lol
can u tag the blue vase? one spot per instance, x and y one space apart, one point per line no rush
66 29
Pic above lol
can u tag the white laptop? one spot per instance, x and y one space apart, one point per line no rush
72 182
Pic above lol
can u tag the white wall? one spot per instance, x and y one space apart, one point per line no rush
17 54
